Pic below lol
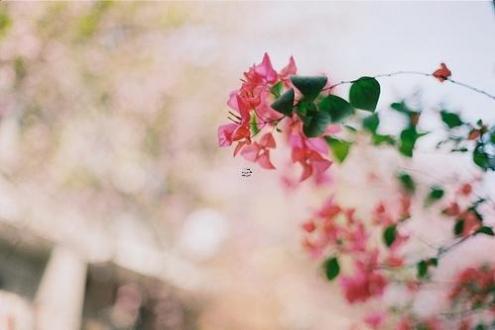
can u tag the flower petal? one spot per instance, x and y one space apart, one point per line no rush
250 152
225 133
267 141
265 69
264 161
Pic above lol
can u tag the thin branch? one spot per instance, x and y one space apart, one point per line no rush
397 73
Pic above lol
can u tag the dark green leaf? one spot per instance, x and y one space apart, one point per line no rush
336 107
401 107
364 93
435 194
340 148
389 235
315 124
305 108
407 182
486 230
310 87
459 227
492 135
332 268
481 158
371 123
451 119
433 262
285 103
422 269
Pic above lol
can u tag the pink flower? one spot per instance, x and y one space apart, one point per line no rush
238 131
307 151
375 319
265 70
405 324
311 161
366 281
259 152
286 72
357 238
225 133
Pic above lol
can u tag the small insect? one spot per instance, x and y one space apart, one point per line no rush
246 172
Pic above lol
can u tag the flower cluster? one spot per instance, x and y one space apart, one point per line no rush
474 288
335 230
252 115
315 125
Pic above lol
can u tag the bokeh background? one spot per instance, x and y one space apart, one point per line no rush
117 208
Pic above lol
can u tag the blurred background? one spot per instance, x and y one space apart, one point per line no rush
117 208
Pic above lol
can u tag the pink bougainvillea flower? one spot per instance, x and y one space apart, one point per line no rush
443 73
473 287
471 223
311 161
366 282
362 286
357 238
265 70
309 226
259 152
329 209
225 133
307 151
375 320
287 71
265 112
238 131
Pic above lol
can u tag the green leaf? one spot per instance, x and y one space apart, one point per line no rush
433 262
284 103
379 139
253 124
310 87
336 107
481 158
402 108
407 182
486 230
459 227
315 124
332 268
340 148
364 93
276 89
436 193
305 108
389 235
371 123
408 138
422 269
492 135
451 119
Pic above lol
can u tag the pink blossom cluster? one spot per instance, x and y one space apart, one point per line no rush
253 116
336 230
